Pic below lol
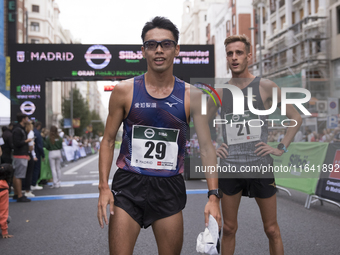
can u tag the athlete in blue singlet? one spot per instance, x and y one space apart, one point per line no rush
148 188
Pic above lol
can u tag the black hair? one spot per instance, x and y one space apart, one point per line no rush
37 124
161 22
20 116
4 128
6 172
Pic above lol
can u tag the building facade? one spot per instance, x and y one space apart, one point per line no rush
220 18
295 43
37 21
334 14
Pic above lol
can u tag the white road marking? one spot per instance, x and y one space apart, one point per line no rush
74 169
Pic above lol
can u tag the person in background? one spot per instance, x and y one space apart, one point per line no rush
298 137
7 147
20 156
6 171
39 150
53 144
26 183
75 146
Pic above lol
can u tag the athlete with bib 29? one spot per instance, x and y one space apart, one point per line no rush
245 145
148 188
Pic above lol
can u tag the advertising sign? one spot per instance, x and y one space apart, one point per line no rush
31 65
329 183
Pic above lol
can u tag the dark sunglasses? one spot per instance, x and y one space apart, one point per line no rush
165 44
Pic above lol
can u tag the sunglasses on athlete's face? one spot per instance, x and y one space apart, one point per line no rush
165 44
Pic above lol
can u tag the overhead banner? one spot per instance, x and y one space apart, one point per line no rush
301 166
31 65
329 183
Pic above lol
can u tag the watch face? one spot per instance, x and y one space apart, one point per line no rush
280 146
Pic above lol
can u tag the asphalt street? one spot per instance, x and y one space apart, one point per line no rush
63 221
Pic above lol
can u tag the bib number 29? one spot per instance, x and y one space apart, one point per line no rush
160 148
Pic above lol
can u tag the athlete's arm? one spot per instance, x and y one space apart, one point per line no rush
266 87
119 104
207 151
222 151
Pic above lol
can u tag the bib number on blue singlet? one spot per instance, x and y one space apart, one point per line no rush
154 148
160 150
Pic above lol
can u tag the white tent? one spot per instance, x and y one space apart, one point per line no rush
5 110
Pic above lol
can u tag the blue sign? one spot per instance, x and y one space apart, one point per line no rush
332 122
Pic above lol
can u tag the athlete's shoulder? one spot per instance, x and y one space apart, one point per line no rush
267 84
124 86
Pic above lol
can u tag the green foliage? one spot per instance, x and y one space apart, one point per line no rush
81 110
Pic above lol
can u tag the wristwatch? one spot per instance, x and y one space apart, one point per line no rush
217 192
281 146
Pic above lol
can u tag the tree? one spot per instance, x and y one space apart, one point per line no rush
97 127
80 110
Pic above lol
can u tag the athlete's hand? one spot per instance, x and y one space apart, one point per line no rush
222 151
265 149
213 208
105 198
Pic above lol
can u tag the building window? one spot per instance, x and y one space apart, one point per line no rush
35 8
228 26
35 26
274 25
338 18
34 41
283 21
281 3
309 7
293 18
20 15
205 17
234 20
272 6
234 2
20 36
264 15
316 6
301 14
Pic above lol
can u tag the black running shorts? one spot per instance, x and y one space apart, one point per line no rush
148 198
260 187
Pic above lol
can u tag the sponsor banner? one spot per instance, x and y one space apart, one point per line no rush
329 183
305 162
76 122
106 61
31 65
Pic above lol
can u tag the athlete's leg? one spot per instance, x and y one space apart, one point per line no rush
230 205
271 227
123 233
169 234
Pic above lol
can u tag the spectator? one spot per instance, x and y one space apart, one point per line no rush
7 146
336 138
6 171
20 156
53 144
298 137
30 166
75 146
39 150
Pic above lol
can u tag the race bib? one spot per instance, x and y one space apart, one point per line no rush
243 128
155 148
